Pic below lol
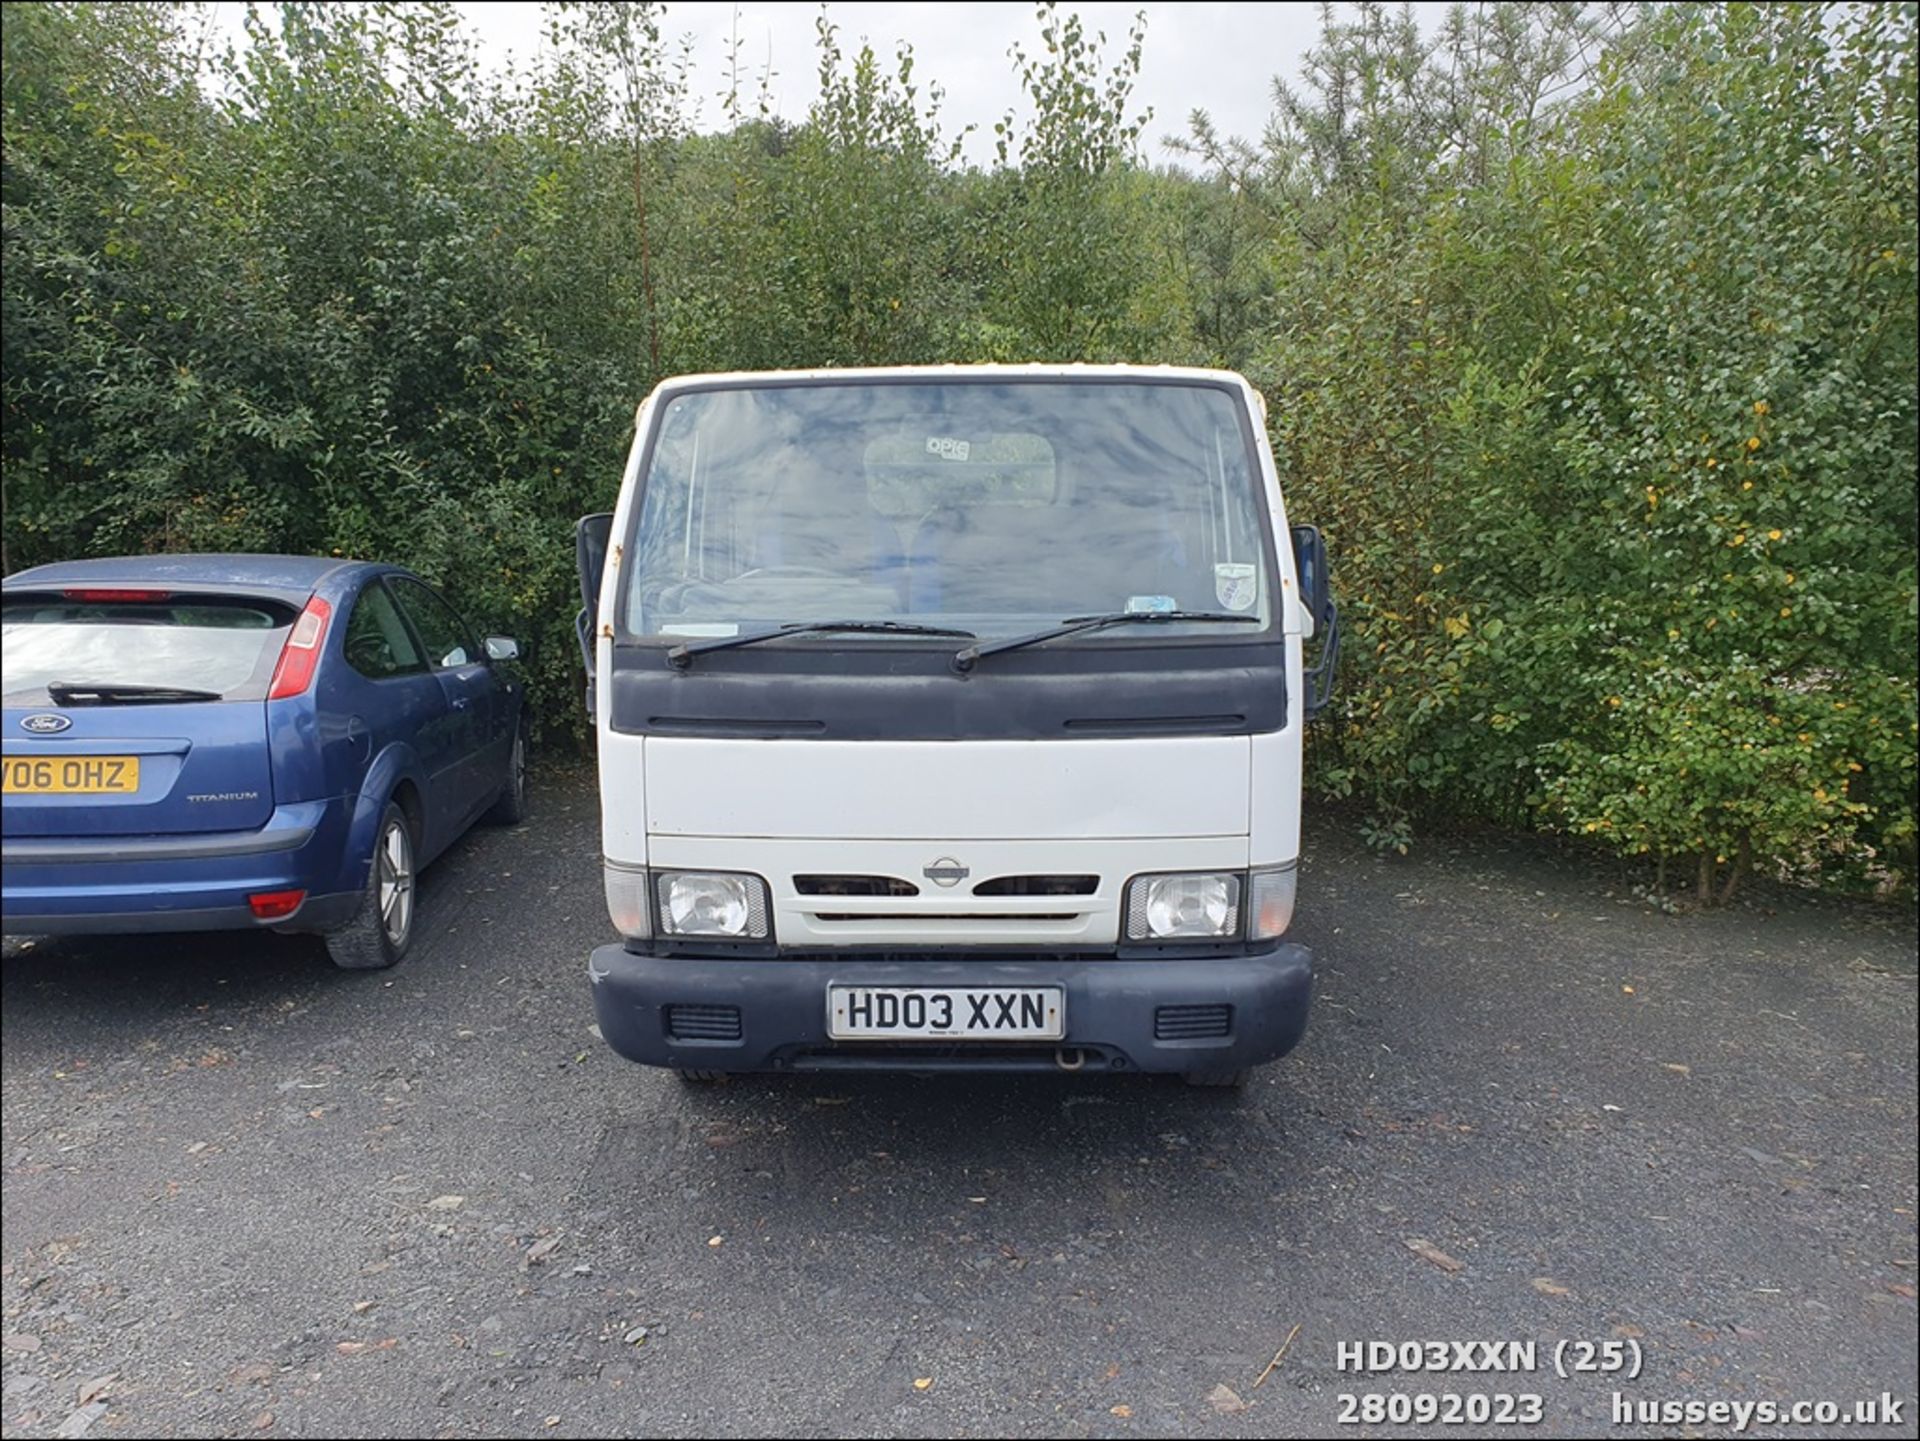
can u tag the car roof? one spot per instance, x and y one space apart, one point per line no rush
281 576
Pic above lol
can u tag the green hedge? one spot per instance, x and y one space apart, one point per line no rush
1615 446
1592 349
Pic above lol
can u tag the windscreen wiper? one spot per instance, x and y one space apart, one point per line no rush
73 692
964 660
681 656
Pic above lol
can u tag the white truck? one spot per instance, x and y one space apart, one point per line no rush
949 719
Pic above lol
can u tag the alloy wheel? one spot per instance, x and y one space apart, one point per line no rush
395 862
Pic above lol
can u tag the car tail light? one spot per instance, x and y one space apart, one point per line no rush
275 905
301 654
107 597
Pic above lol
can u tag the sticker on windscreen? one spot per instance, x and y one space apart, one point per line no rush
1152 604
947 448
1234 585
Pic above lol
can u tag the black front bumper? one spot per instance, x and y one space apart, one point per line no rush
771 1014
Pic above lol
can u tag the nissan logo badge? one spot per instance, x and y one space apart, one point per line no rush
46 723
946 872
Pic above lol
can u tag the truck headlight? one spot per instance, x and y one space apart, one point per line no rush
720 904
1270 902
627 900
1204 907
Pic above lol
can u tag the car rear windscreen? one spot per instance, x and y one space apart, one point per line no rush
198 643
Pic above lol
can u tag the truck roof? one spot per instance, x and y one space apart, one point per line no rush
1034 370
1027 371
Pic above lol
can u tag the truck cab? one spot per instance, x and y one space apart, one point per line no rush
949 719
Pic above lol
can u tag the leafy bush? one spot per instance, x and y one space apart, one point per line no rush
1614 435
1589 337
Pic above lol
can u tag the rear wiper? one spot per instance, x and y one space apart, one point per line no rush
70 692
964 660
681 656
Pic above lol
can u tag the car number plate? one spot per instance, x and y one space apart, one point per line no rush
946 1013
71 775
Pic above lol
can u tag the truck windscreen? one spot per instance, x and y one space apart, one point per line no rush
990 507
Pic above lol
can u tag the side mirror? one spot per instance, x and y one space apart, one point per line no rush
590 539
501 647
583 632
1310 560
1316 594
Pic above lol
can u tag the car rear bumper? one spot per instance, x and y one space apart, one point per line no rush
1115 1011
116 884
316 913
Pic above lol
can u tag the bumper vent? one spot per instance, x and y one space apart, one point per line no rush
703 1023
1192 1023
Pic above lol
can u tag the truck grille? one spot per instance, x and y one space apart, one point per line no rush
1038 886
867 909
853 886
897 917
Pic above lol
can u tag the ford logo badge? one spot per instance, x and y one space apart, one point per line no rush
45 723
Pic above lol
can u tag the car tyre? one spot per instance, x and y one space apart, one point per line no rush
1220 1080
381 929
511 807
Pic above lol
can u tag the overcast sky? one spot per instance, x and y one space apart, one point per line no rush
1221 57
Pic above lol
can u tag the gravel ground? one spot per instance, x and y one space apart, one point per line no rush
248 1194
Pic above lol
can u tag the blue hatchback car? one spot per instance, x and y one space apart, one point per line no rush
202 742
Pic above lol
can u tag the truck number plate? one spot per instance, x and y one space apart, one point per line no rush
958 1013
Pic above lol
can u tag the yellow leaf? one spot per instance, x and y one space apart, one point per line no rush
921 1383
1122 1411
